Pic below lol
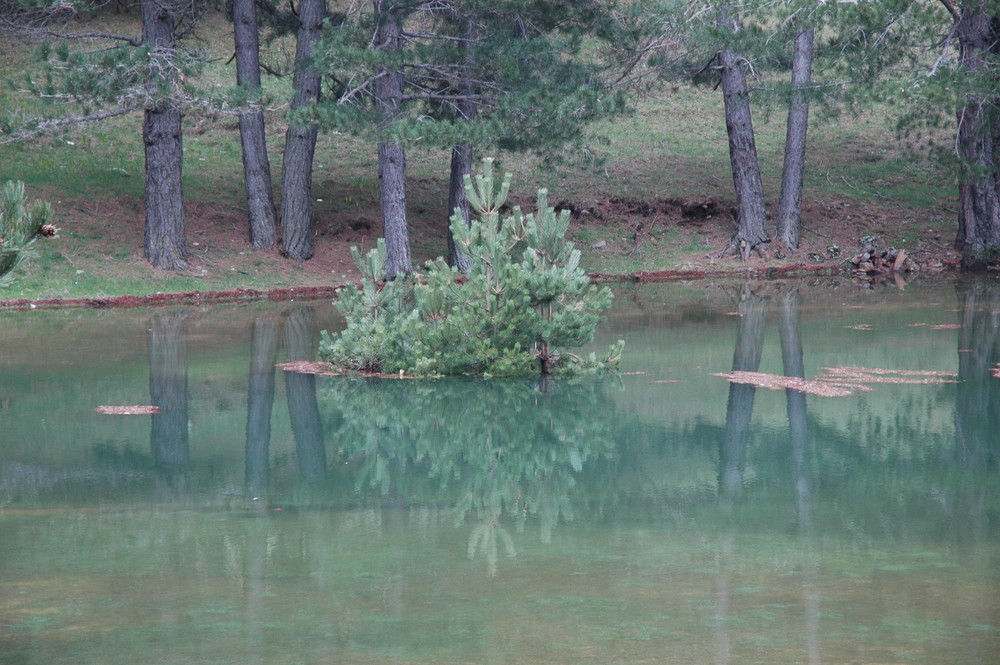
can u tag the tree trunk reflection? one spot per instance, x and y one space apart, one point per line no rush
739 408
168 368
299 329
263 355
977 400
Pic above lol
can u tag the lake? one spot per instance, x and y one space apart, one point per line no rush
682 512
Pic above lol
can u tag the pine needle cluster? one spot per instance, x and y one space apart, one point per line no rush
20 225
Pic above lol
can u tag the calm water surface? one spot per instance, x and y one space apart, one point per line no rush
664 516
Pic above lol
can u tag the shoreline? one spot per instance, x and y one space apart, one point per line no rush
320 292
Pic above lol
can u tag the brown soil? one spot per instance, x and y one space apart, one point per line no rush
628 228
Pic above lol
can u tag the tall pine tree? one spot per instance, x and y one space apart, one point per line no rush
460 75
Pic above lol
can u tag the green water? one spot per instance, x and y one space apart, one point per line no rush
663 516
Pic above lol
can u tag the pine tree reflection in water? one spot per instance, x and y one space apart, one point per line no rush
493 448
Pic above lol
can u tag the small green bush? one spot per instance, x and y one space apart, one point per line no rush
522 303
19 226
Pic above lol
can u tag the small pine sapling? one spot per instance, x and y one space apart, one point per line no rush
523 301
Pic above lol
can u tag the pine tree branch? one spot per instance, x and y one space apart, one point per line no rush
57 123
950 6
132 41
429 35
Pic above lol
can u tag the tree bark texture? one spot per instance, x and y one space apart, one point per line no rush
256 166
739 408
790 203
260 399
391 154
461 154
458 202
979 200
161 134
751 216
168 389
303 409
300 141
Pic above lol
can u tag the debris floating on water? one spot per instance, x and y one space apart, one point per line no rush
779 382
139 410
843 381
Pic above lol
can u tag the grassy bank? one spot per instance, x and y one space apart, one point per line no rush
661 199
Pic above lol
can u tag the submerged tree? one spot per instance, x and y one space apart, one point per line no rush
522 302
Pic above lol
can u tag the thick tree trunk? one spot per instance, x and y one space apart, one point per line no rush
168 389
751 216
161 133
739 408
391 154
303 409
979 202
790 204
256 167
300 142
461 154
260 399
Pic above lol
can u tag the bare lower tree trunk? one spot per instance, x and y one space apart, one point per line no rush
161 134
790 204
461 154
391 154
979 200
256 167
751 216
300 142
458 201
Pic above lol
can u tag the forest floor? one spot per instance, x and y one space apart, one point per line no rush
620 238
